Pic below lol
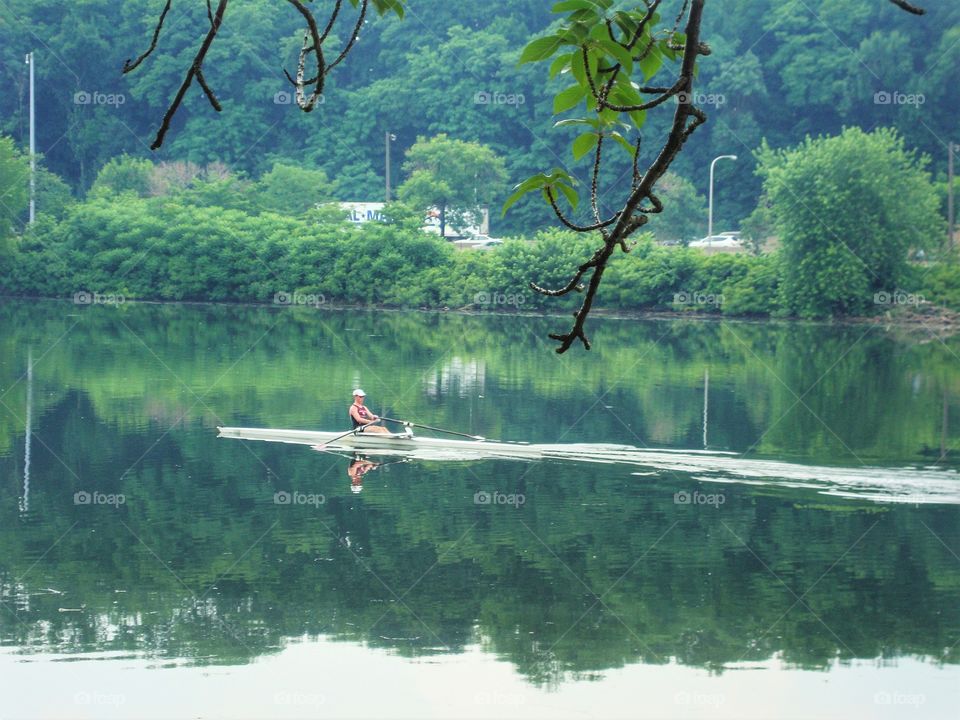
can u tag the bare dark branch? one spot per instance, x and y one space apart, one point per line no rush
209 93
573 226
594 181
131 64
331 21
300 84
909 7
308 91
195 68
353 37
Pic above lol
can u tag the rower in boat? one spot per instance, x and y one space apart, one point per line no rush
363 420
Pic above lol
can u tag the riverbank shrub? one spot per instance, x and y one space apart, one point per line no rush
158 248
847 209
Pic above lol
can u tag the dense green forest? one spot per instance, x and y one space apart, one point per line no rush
778 71
839 150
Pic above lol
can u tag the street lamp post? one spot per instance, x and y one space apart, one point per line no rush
710 213
388 136
33 145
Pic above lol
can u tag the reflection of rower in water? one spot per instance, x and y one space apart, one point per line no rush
357 468
361 417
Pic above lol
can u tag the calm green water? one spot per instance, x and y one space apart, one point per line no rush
187 589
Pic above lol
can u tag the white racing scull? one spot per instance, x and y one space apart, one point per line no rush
880 484
388 442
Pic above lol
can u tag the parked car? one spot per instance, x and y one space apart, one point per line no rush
717 241
478 242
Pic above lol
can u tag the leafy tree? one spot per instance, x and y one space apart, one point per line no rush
847 210
684 215
454 176
292 190
53 194
14 186
124 174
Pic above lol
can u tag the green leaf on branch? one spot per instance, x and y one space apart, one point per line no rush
569 193
557 179
578 68
540 49
620 53
384 6
624 143
584 144
578 121
571 5
532 183
626 22
651 64
574 34
560 64
568 98
638 118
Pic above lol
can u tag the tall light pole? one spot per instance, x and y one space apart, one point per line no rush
33 145
710 213
25 498
706 400
387 138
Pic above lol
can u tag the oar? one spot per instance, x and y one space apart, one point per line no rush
435 429
338 437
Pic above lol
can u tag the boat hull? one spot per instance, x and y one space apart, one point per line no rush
392 442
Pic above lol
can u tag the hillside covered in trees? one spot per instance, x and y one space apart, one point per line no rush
778 71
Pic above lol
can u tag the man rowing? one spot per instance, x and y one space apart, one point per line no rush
361 417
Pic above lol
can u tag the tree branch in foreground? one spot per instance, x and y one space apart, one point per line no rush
308 91
607 46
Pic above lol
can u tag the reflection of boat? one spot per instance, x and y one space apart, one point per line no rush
930 484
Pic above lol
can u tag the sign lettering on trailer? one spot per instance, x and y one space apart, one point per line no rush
362 212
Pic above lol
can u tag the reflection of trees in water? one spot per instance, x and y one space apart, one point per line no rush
101 401
697 595
861 390
455 377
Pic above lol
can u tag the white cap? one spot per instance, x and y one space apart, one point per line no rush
356 488
360 392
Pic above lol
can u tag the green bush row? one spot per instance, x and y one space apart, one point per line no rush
161 249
